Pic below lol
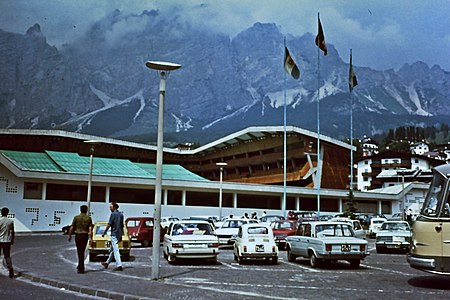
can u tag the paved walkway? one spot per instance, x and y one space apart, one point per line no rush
51 259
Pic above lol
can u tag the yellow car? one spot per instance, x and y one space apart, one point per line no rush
100 245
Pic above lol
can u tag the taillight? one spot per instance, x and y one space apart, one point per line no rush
213 245
274 248
362 247
177 245
327 247
93 244
245 248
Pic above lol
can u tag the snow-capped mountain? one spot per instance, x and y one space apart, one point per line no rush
100 85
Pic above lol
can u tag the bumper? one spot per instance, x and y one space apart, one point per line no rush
181 253
257 255
342 256
225 240
421 263
404 245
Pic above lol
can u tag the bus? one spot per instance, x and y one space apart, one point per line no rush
430 244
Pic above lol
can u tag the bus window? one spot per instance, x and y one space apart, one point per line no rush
431 206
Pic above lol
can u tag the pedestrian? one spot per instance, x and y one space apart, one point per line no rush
7 236
116 224
264 214
409 216
82 227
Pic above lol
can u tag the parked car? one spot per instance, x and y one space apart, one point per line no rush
140 230
229 229
396 217
210 219
100 245
281 230
270 218
357 228
326 241
190 239
393 235
255 241
165 221
375 224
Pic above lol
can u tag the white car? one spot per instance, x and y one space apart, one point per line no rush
357 228
165 221
255 241
190 239
374 227
229 229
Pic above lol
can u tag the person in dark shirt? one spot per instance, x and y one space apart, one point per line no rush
116 224
82 227
7 236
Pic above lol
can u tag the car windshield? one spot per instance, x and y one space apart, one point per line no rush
283 225
192 229
257 230
334 230
395 226
377 221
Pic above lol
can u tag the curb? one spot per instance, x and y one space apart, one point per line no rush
78 288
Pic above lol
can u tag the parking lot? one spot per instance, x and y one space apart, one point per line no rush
53 258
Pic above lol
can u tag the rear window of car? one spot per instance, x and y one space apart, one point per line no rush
333 230
257 230
133 223
100 229
192 229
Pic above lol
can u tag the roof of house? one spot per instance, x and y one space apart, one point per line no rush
73 163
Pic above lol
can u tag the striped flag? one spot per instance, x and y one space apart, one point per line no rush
320 39
289 64
352 82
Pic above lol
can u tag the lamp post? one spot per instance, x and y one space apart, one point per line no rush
92 143
221 165
402 207
163 69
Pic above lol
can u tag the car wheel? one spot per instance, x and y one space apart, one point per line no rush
146 243
235 257
92 257
314 261
171 258
291 257
275 260
240 259
354 263
126 256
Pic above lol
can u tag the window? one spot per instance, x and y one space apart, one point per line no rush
32 190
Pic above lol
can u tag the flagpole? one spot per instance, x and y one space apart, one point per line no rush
318 172
351 135
284 145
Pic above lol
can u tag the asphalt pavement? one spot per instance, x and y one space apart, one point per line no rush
50 260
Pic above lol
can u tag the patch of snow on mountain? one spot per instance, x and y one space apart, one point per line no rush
301 93
377 104
277 98
180 125
415 99
34 122
328 88
235 113
107 101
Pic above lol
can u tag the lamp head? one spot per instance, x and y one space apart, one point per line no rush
162 65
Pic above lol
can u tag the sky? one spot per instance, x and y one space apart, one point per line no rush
383 34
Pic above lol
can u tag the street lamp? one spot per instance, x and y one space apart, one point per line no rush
403 172
163 69
221 165
92 143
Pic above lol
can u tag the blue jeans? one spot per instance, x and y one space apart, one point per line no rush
114 252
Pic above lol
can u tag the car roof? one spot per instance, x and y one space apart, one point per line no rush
191 221
255 225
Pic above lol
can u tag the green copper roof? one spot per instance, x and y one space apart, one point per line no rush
65 162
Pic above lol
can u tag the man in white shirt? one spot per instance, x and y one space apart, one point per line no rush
7 239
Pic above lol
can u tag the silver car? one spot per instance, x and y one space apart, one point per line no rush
393 235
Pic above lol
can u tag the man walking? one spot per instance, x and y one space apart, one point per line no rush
116 224
82 226
7 236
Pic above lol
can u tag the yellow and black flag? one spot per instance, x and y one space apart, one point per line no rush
352 82
289 64
320 39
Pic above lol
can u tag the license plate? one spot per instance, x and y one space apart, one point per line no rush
195 246
259 248
346 248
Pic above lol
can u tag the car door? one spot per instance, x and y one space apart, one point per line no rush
359 231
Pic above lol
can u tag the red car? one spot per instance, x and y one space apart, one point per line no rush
140 230
282 229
